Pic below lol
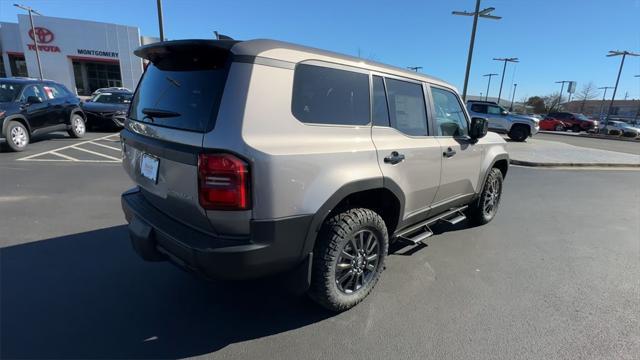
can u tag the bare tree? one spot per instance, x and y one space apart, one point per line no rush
588 92
552 102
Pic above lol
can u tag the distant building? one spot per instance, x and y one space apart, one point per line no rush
621 108
83 55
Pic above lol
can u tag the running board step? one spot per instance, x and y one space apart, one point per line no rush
460 216
421 231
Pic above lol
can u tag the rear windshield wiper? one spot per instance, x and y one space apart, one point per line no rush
159 113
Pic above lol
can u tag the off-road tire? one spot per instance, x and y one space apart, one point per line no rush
17 136
519 133
336 235
77 126
477 211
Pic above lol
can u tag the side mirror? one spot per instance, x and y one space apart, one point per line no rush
504 112
479 127
33 100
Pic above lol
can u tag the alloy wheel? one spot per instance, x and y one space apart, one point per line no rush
78 125
491 197
19 136
358 262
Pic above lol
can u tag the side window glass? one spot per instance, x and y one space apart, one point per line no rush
32 90
450 119
324 95
494 110
479 108
53 91
407 107
380 113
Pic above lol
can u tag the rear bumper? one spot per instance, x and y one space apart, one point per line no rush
274 245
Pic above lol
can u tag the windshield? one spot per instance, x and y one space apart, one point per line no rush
9 91
582 117
180 95
109 98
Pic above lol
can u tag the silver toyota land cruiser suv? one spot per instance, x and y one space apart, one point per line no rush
260 157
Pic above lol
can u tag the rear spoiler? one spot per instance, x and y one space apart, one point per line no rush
156 51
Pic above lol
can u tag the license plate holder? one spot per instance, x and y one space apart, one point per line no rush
149 166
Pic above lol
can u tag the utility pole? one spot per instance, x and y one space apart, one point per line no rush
515 86
615 88
561 90
485 13
486 96
34 34
603 97
414 68
160 19
504 68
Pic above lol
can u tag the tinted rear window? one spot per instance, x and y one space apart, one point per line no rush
330 96
190 88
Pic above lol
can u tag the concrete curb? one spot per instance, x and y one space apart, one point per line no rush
576 165
591 136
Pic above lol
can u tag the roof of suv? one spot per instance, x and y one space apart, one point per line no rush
25 80
284 51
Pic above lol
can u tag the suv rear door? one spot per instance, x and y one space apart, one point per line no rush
407 153
461 156
175 104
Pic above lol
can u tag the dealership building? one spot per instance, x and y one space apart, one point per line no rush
83 55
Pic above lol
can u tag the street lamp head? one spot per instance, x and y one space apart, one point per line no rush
512 59
618 53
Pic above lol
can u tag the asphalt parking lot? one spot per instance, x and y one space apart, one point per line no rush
554 276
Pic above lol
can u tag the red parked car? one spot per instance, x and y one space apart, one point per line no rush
575 122
551 124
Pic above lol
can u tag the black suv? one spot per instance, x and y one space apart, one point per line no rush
30 107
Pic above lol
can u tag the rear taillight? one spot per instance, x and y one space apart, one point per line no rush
223 182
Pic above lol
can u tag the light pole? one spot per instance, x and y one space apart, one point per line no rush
160 20
638 111
414 68
486 96
615 88
603 97
561 89
504 68
485 13
33 33
515 86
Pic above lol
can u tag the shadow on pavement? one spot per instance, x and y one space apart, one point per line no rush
88 295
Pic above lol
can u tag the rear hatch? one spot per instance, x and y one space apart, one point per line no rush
175 104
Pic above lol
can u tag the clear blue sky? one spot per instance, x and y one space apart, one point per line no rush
554 39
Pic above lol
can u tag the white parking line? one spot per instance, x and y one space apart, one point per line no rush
96 153
64 157
106 146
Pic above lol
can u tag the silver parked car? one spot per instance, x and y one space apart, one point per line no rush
619 128
518 127
259 157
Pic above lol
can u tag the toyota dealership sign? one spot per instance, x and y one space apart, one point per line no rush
43 36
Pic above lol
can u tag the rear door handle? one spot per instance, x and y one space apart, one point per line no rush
394 158
449 153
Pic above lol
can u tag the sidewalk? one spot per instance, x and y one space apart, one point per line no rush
544 153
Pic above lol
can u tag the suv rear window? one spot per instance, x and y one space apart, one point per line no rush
324 95
182 93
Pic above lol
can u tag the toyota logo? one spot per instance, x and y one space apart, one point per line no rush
45 35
